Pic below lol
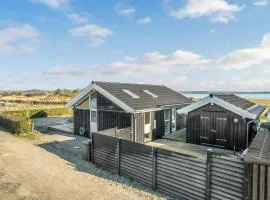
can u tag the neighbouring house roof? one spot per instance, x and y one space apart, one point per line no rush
230 102
259 150
135 97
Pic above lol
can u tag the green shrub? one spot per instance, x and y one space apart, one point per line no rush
39 113
16 125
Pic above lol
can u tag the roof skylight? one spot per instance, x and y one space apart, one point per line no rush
130 93
151 93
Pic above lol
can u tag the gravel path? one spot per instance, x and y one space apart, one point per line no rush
54 168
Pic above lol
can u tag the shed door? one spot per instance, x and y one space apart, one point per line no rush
213 129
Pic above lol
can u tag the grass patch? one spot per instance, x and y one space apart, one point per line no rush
33 135
40 112
15 124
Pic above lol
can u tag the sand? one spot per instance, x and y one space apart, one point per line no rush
53 167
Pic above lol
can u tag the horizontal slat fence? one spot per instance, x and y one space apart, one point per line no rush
180 176
177 175
227 178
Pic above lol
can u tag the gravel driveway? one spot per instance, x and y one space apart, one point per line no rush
54 167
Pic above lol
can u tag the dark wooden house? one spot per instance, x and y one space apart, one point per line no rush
221 120
140 111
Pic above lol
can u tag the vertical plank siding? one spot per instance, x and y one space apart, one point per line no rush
160 125
81 119
259 182
214 125
110 119
180 121
139 128
177 175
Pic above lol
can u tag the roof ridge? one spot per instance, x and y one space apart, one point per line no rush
110 82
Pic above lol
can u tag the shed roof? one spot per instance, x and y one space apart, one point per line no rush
259 150
235 100
162 96
230 102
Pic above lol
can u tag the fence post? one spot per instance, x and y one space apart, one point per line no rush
118 154
154 168
246 181
92 147
208 174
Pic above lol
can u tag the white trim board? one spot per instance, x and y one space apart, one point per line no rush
106 94
219 102
79 97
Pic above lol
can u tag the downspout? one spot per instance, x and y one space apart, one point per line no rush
248 124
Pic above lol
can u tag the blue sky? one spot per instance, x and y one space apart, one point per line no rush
185 44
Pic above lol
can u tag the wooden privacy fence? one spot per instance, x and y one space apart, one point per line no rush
177 175
258 165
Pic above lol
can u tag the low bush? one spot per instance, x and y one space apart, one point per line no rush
39 113
16 125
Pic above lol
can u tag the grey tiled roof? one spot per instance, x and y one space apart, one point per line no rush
236 100
166 96
241 103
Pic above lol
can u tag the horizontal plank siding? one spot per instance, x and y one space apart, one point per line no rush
227 177
177 175
180 175
136 162
105 151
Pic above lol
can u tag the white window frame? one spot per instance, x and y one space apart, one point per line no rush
167 120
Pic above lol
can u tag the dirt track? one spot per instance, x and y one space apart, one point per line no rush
28 171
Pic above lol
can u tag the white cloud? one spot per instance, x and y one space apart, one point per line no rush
217 10
130 59
52 3
244 58
124 10
260 2
146 20
95 33
78 18
62 71
266 41
212 31
175 68
19 39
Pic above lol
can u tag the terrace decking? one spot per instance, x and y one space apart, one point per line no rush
187 149
179 135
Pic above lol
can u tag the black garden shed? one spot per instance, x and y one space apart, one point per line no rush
221 120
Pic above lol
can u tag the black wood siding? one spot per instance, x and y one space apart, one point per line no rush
206 126
81 119
160 126
180 121
109 119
